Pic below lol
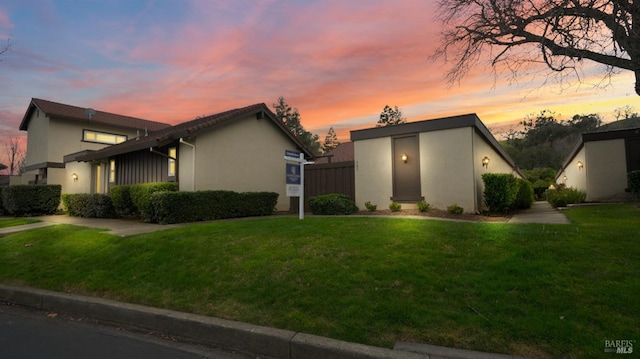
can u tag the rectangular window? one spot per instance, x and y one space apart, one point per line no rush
102 137
172 161
112 171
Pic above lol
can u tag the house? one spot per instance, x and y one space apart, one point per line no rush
58 133
440 161
599 163
240 150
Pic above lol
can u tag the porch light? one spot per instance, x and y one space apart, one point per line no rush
580 165
485 162
74 177
564 178
404 157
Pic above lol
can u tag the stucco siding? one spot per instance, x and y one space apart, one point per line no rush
82 185
37 139
446 168
373 172
497 164
246 155
606 169
576 177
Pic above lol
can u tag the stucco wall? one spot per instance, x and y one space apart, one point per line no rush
576 177
373 172
37 139
497 164
82 185
446 168
606 169
246 155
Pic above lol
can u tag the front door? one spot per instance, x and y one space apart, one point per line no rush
406 169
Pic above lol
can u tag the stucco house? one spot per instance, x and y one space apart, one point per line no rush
599 164
240 150
440 161
58 133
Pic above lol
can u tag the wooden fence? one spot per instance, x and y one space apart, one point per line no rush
326 178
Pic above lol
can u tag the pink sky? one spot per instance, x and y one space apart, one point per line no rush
338 62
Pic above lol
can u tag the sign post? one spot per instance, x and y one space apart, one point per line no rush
295 178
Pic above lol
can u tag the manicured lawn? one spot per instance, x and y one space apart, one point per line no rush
10 222
533 290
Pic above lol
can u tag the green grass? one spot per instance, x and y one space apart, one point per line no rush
10 222
529 289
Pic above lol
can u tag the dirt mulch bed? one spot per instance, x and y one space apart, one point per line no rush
437 213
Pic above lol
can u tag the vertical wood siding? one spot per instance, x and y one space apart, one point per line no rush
143 167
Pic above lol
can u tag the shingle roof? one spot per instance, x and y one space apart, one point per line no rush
192 128
342 153
74 113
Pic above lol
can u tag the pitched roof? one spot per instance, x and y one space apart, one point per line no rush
74 113
2 167
193 128
342 153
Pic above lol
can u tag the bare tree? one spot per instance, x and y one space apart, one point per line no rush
15 157
557 33
4 49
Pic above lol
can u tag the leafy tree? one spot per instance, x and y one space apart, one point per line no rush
558 33
390 116
291 118
330 141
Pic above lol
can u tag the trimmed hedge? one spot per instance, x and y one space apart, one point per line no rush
633 178
500 190
89 205
141 197
525 195
121 199
180 207
31 200
332 204
563 196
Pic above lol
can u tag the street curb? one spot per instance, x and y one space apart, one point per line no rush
243 337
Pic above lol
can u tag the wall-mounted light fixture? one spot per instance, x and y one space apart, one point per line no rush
404 157
485 162
74 177
564 178
580 165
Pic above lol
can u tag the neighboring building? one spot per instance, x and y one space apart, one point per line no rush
440 161
240 150
57 133
87 151
342 153
600 162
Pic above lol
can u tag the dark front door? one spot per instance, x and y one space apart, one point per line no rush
406 169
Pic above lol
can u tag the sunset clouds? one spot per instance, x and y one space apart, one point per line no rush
338 62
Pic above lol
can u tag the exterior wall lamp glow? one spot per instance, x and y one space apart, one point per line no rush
74 177
485 162
404 157
580 165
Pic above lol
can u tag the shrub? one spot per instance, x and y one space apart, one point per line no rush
423 206
524 196
395 206
141 197
180 207
500 190
332 204
31 200
455 209
370 206
121 199
89 205
563 196
633 178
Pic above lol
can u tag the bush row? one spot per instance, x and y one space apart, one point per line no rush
503 191
561 197
89 205
179 207
633 178
29 200
332 204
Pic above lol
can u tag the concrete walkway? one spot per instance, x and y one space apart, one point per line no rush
540 212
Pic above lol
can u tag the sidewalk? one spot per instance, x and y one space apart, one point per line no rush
540 212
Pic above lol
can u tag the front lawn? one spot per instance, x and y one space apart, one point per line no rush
529 289
10 222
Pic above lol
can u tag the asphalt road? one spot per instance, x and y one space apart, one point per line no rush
29 333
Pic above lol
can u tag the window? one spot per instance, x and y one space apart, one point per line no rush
112 171
172 161
102 137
